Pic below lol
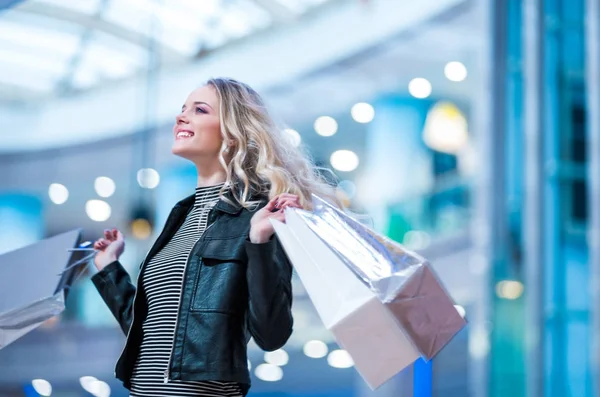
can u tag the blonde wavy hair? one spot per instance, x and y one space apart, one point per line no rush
258 158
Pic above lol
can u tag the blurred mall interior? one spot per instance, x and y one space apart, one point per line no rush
468 130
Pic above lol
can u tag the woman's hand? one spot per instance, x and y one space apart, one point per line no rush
109 248
261 229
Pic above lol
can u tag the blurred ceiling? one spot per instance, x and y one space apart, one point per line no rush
356 46
58 47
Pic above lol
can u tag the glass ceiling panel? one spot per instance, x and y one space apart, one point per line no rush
28 60
133 53
26 78
296 6
242 18
124 14
107 57
37 50
203 10
42 56
39 32
87 7
108 62
185 25
175 28
85 77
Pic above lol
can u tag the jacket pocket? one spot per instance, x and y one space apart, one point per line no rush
221 284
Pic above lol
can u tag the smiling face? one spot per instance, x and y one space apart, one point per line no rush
197 129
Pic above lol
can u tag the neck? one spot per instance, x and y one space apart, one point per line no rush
210 174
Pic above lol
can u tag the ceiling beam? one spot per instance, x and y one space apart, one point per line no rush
6 4
278 11
92 22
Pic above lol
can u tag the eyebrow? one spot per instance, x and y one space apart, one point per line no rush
198 103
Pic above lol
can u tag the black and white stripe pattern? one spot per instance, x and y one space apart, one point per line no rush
162 280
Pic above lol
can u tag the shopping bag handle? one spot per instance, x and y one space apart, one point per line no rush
80 261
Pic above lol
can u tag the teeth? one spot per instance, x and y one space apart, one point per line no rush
183 135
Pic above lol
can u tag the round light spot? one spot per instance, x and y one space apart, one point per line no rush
340 359
509 289
59 194
278 357
455 71
362 112
98 210
141 229
446 129
104 186
42 387
419 88
100 389
293 136
315 349
148 178
344 160
416 240
87 382
268 372
326 126
479 343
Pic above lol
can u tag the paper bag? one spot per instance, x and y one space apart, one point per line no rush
34 282
359 321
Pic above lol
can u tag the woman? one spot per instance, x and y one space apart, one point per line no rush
216 275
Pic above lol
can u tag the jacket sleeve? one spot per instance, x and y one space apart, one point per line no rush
116 289
269 279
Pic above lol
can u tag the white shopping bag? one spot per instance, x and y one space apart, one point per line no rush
359 321
34 283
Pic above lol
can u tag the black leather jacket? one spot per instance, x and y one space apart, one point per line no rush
232 290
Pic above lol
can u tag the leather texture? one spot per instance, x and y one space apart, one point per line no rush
232 290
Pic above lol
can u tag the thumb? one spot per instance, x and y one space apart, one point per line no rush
120 236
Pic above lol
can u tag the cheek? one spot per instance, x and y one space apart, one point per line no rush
215 134
210 133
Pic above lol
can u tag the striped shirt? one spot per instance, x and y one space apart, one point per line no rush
162 281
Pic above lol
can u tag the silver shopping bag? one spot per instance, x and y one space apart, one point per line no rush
35 280
382 303
358 320
403 281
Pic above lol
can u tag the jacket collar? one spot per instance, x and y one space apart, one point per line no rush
232 207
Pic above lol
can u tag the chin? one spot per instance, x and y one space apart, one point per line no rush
193 152
177 150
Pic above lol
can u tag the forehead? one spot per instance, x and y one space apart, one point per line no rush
206 94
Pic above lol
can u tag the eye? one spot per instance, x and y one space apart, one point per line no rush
200 110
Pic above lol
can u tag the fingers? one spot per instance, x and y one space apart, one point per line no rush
108 235
112 234
272 204
101 244
282 201
279 215
293 201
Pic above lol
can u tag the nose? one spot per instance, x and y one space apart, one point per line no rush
181 118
